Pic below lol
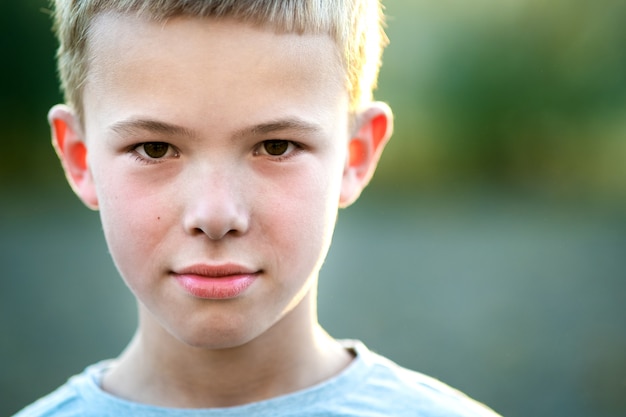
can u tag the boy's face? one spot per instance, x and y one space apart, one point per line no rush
218 155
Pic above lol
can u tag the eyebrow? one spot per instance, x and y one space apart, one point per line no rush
292 124
133 126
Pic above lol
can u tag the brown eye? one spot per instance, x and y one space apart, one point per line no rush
156 149
276 147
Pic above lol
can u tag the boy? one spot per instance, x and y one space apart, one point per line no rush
218 139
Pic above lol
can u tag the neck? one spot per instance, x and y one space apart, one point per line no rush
158 369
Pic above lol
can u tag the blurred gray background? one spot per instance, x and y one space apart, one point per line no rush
489 251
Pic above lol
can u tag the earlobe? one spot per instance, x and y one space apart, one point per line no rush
373 130
69 144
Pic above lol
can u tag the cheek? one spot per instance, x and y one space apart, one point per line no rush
134 224
130 220
303 211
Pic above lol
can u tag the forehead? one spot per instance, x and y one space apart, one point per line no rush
203 63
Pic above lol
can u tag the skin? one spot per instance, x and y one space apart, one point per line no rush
208 96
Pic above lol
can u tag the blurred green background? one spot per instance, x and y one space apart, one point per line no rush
489 251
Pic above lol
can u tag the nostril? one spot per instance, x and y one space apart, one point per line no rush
217 227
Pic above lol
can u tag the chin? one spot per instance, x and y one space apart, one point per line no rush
217 338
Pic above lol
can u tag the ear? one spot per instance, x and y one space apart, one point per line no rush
69 144
373 129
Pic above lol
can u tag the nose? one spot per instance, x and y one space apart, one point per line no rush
215 206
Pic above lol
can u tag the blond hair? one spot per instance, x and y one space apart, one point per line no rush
356 26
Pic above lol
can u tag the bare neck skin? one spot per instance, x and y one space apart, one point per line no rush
158 369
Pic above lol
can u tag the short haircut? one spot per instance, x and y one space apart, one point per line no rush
356 26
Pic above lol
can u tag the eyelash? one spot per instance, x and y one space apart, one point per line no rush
293 148
133 150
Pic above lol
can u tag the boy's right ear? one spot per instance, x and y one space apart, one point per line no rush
69 144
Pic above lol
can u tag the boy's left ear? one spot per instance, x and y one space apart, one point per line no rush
373 129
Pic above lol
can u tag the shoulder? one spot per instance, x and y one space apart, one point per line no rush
67 400
60 403
399 391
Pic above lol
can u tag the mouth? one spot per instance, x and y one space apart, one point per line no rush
216 282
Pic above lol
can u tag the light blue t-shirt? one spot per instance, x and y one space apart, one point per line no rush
371 386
